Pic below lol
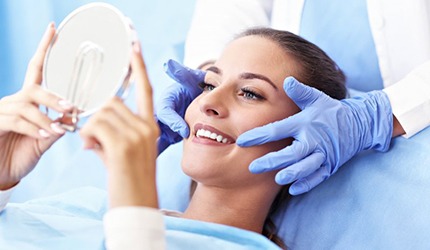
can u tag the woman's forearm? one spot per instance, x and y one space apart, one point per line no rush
128 189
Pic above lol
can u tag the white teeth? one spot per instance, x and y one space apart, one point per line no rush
211 135
199 133
207 133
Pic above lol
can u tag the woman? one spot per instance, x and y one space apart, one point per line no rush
242 90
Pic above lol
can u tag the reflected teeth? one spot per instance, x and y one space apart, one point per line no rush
210 135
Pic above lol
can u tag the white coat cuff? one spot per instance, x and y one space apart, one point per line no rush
410 100
134 228
4 197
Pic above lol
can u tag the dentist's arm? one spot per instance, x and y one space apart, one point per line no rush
410 100
327 133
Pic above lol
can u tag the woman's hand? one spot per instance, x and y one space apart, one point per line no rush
25 132
126 142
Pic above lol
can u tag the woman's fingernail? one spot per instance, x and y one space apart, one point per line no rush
65 104
57 128
50 26
43 133
136 47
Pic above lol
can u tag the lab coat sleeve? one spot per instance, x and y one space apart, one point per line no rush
4 197
410 100
134 228
216 22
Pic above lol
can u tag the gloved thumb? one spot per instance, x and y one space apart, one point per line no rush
184 75
301 94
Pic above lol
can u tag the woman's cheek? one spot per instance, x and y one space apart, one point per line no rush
190 112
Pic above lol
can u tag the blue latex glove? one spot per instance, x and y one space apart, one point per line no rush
327 133
170 110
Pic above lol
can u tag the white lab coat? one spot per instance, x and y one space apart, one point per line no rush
400 29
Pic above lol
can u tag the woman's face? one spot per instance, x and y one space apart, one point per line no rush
243 90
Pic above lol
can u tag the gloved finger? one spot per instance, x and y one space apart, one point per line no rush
174 121
280 159
304 185
166 138
274 131
184 75
162 144
301 94
301 169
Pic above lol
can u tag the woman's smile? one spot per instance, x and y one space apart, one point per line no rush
208 135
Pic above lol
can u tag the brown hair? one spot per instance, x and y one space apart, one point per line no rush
316 69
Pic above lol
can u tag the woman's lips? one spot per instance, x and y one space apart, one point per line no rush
209 135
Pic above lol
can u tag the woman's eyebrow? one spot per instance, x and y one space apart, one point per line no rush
248 75
214 69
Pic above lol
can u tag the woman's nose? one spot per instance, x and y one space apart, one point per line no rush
214 103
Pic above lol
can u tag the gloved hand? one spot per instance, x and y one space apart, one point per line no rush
170 110
327 133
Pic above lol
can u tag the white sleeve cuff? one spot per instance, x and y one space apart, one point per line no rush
4 197
134 228
410 100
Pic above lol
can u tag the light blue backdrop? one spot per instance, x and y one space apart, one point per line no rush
162 27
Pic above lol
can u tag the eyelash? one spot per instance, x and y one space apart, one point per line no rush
246 92
252 95
204 86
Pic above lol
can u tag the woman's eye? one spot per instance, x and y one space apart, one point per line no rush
206 86
251 95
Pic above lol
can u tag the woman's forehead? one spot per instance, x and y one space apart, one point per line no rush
256 54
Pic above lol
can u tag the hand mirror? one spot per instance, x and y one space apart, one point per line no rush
88 61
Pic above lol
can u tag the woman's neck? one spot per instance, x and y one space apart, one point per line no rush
245 208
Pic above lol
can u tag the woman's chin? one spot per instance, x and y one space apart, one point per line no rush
199 169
